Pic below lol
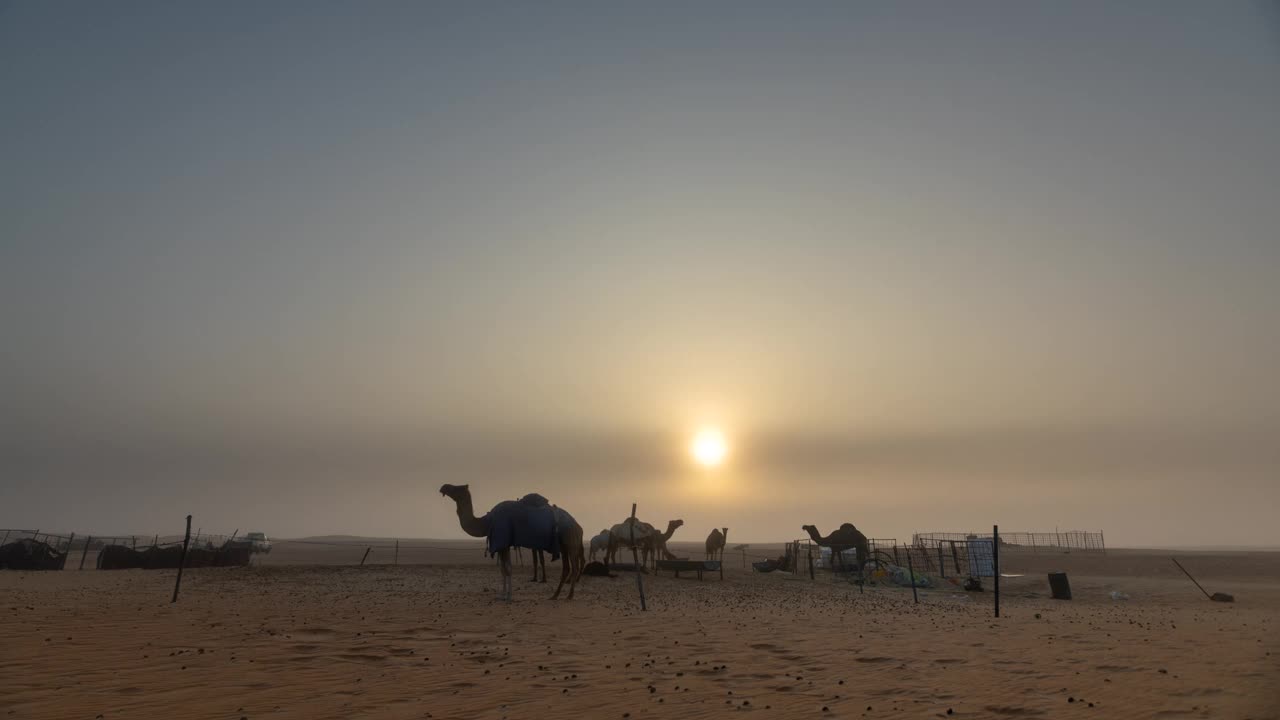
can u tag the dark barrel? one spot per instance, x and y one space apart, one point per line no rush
1059 586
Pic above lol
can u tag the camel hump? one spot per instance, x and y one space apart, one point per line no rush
535 500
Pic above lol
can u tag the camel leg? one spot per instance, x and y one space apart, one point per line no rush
542 560
578 562
564 571
504 563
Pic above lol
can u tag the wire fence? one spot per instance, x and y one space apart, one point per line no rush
1082 540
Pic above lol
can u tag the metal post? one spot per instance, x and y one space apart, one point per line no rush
366 555
810 562
995 562
86 550
942 567
397 559
635 558
1184 572
912 572
186 540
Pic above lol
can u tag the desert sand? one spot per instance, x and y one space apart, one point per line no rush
305 633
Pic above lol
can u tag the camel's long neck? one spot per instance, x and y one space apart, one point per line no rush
471 525
813 533
671 530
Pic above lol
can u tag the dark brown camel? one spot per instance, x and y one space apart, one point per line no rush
506 525
845 538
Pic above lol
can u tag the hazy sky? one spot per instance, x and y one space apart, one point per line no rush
291 266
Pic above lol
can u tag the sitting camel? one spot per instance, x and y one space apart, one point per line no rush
599 543
845 538
530 522
715 543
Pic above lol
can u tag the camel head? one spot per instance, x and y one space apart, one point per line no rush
674 524
456 492
810 529
724 532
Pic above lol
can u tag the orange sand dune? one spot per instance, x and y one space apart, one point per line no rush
428 641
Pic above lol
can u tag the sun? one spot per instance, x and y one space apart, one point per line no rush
709 447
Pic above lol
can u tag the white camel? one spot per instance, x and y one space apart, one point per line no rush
632 534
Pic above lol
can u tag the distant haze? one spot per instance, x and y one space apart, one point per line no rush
292 266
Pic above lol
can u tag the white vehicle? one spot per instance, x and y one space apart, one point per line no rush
258 542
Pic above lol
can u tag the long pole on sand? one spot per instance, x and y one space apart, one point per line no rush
636 558
995 562
186 540
912 572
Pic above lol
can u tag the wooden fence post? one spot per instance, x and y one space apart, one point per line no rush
186 540
811 562
366 555
397 558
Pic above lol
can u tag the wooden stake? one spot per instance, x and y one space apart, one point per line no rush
397 559
366 555
86 550
810 562
635 558
186 540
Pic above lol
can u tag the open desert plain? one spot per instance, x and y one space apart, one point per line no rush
307 633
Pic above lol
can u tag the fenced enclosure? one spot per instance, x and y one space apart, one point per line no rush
1082 540
38 550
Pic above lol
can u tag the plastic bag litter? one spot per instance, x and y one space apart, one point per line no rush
899 575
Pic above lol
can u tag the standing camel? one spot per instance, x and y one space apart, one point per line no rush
658 543
715 543
529 522
630 533
845 538
599 543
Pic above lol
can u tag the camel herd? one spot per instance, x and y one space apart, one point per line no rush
533 522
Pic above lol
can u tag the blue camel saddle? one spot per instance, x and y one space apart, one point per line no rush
530 522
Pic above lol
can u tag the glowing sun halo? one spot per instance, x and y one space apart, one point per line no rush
709 447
